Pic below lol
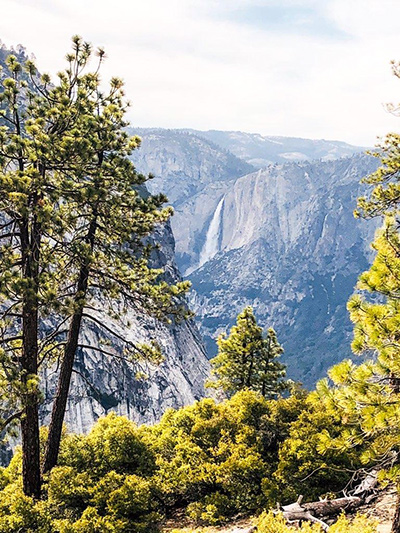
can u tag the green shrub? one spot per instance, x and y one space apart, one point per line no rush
208 450
305 465
135 502
114 443
360 524
211 510
20 513
92 522
269 522
214 460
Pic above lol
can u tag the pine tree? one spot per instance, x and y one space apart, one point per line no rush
108 253
269 370
368 394
248 360
33 131
75 222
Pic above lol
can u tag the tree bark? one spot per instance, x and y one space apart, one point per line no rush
30 245
64 379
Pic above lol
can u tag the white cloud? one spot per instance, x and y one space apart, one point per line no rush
190 63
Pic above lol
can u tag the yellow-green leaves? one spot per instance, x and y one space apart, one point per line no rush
275 523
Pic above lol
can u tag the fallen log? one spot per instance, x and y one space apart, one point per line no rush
332 507
313 510
323 507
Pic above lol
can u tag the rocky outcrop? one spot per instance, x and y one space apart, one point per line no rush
103 383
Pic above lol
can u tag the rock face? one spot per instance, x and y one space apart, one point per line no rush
194 173
104 383
287 244
184 163
282 239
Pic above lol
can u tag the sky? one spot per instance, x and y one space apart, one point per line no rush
316 69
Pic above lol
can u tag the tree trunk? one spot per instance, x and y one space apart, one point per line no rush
250 374
60 400
64 379
30 416
31 448
331 507
29 362
396 519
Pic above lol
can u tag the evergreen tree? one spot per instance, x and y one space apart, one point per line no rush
74 221
33 151
368 394
248 360
269 370
107 250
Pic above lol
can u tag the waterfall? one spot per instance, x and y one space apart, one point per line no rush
211 244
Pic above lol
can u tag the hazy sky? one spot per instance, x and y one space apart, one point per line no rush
307 68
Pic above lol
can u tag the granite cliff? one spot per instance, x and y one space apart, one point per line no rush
141 392
286 243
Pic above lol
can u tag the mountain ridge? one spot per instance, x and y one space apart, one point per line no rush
263 150
300 213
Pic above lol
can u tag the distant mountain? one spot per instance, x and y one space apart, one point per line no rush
184 163
285 241
282 239
195 172
260 150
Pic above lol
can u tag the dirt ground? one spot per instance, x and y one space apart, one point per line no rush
383 510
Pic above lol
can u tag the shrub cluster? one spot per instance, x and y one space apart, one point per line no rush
213 459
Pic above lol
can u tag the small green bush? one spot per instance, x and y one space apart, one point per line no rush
269 522
211 510
360 524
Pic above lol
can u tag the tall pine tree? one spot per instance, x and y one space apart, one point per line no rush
75 218
369 394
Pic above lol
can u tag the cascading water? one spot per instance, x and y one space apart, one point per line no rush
211 245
